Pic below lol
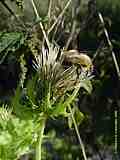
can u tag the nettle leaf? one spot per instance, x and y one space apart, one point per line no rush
10 42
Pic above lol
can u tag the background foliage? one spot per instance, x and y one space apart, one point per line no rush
19 46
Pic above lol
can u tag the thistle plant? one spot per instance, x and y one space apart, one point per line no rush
15 135
50 93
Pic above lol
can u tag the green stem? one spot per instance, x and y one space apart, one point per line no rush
41 25
40 138
78 134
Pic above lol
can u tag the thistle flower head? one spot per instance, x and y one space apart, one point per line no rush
54 81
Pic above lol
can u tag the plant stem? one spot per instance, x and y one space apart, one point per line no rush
78 134
40 23
40 138
110 44
60 16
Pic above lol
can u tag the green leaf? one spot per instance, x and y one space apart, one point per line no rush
24 111
15 137
9 42
59 109
5 138
70 121
31 88
87 85
79 117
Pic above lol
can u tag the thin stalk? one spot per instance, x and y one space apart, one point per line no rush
60 16
41 26
40 138
118 73
74 24
78 134
71 35
49 11
72 97
68 102
110 44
